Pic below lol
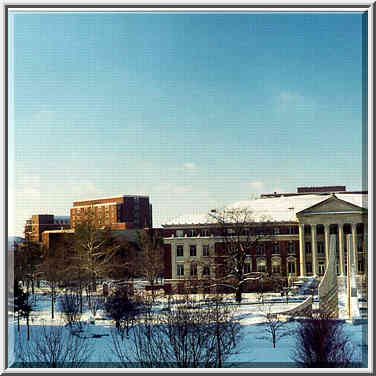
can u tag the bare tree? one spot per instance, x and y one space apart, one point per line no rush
52 347
27 258
123 309
70 307
190 334
322 343
151 246
275 326
92 256
237 244
52 271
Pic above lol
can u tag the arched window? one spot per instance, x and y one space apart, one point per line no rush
276 265
261 265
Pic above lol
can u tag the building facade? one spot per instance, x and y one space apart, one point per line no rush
293 233
38 223
117 213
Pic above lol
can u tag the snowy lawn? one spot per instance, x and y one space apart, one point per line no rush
255 349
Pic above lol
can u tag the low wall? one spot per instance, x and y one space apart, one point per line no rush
304 309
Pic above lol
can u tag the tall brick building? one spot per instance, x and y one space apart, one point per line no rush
117 213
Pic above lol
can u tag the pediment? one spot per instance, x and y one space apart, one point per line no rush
333 205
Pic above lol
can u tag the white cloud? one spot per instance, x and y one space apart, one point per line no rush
189 166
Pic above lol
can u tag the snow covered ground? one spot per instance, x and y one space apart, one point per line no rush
254 350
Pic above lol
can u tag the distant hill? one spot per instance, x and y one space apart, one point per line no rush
12 239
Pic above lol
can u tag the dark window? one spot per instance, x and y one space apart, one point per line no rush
291 267
204 232
180 269
291 248
320 248
192 233
276 249
276 230
308 248
179 251
260 250
192 251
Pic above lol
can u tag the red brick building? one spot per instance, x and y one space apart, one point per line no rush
38 223
117 213
293 229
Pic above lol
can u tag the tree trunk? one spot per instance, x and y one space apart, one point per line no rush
28 327
18 321
52 302
238 294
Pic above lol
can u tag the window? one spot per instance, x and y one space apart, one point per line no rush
204 232
320 248
276 249
179 270
179 233
291 267
205 250
261 266
291 230
308 248
360 266
260 250
192 251
291 248
193 269
276 230
247 267
307 229
206 270
192 233
179 251
309 268
276 268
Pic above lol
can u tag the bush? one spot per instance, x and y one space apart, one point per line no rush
322 343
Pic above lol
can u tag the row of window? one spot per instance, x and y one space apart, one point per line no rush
260 250
193 270
192 250
231 231
261 267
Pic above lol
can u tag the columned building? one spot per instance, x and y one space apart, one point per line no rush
293 232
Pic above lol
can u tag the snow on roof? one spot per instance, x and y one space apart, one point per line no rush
276 209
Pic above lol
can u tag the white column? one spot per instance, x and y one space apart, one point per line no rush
353 230
314 251
326 228
341 250
302 250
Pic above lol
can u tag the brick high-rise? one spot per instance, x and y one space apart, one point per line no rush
118 213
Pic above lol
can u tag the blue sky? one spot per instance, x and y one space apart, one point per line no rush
195 110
